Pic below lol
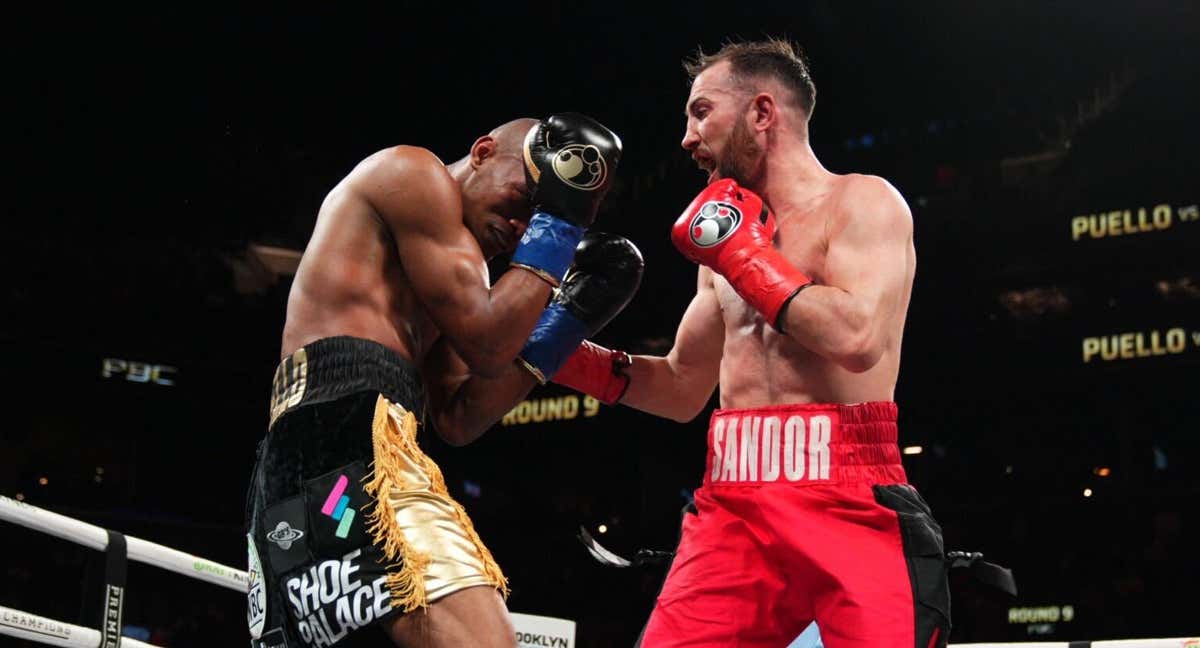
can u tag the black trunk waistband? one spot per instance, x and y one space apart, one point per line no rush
330 368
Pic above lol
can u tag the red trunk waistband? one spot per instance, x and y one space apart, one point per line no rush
804 444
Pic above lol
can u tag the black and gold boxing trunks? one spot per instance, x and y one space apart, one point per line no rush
348 521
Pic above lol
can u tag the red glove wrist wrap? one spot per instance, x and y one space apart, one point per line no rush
764 278
597 371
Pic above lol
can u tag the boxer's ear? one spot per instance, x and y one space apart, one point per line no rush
764 111
482 149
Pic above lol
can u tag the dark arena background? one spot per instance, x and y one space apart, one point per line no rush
166 167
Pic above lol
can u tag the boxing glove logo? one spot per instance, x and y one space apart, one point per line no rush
580 166
713 223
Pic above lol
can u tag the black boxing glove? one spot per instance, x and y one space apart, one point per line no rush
570 161
606 274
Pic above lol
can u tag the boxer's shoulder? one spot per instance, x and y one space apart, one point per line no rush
867 199
402 164
408 185
853 188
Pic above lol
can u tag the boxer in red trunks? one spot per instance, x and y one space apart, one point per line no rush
804 282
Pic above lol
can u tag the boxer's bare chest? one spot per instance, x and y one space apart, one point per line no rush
801 237
759 365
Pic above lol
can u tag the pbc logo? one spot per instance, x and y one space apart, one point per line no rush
142 372
714 223
256 596
581 166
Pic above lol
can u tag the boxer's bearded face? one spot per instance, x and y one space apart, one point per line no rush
741 158
718 134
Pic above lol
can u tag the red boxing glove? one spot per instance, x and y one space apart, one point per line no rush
729 229
597 371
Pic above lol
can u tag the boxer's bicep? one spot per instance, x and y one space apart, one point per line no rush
868 255
696 356
422 209
449 277
847 316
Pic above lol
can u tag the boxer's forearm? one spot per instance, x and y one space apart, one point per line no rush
479 402
835 325
677 386
665 387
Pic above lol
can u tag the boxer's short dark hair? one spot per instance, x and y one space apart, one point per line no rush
773 58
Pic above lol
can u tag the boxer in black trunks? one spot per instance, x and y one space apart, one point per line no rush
392 321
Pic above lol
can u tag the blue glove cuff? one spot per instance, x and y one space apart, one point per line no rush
548 246
555 337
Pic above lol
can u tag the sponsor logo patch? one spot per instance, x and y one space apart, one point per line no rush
284 535
256 596
329 600
337 506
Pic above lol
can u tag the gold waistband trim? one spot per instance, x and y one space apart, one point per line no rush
287 388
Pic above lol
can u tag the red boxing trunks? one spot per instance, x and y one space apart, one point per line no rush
805 514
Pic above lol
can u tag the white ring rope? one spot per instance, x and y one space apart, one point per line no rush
140 550
24 625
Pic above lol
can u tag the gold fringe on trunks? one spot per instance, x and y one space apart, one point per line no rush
491 570
393 441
